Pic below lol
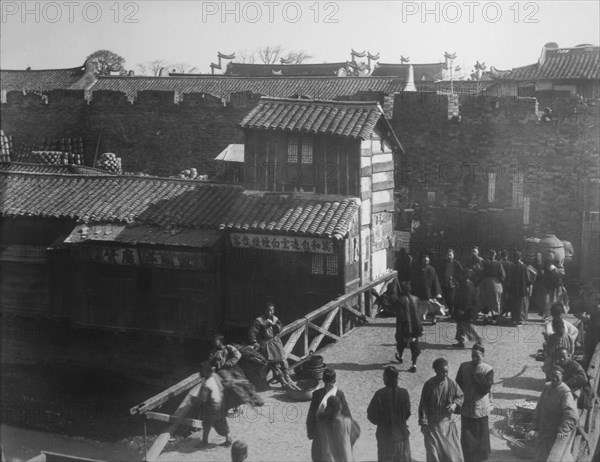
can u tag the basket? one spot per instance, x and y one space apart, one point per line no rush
306 390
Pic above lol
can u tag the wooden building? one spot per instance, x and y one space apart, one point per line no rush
324 170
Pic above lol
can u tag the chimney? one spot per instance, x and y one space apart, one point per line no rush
410 81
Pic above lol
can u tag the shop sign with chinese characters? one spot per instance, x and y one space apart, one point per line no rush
282 243
140 257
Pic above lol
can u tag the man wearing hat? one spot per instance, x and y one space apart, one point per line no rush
263 336
475 378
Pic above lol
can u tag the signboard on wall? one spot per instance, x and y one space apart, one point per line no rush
127 256
282 243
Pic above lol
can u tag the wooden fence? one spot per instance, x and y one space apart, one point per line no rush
583 440
348 307
333 322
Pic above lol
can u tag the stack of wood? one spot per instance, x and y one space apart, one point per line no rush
110 162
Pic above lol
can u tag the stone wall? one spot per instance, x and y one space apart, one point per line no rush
154 134
450 163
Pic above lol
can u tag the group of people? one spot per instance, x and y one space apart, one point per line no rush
329 423
494 286
333 431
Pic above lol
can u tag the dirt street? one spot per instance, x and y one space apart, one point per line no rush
277 432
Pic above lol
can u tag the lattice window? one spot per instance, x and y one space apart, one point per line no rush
491 187
300 150
293 150
317 263
307 151
332 265
517 195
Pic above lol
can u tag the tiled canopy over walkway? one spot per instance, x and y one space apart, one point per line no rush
277 432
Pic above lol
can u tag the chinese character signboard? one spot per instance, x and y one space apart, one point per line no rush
282 243
141 257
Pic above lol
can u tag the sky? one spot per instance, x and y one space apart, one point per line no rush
504 34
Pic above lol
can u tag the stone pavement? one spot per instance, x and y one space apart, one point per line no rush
277 432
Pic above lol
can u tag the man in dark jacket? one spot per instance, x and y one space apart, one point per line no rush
450 272
408 324
425 284
519 291
574 375
389 409
508 267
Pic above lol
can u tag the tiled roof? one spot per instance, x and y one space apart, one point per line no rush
174 204
351 119
299 213
143 234
562 63
49 168
41 80
118 199
278 87
423 72
268 70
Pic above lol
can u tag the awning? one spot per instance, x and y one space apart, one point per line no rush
143 234
232 153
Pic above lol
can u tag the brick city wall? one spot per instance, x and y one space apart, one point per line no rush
454 159
152 135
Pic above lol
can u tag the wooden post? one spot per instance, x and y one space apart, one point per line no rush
179 414
341 321
305 350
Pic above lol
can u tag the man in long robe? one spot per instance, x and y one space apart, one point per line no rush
518 291
475 378
389 409
317 407
263 335
490 288
450 273
425 284
440 399
555 416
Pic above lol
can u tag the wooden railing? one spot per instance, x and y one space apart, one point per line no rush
349 303
332 325
584 437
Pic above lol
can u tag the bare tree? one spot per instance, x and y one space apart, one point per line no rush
246 57
297 57
107 62
152 68
183 68
269 54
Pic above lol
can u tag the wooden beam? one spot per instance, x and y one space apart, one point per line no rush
167 394
328 320
356 313
337 302
324 331
294 337
179 414
194 423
